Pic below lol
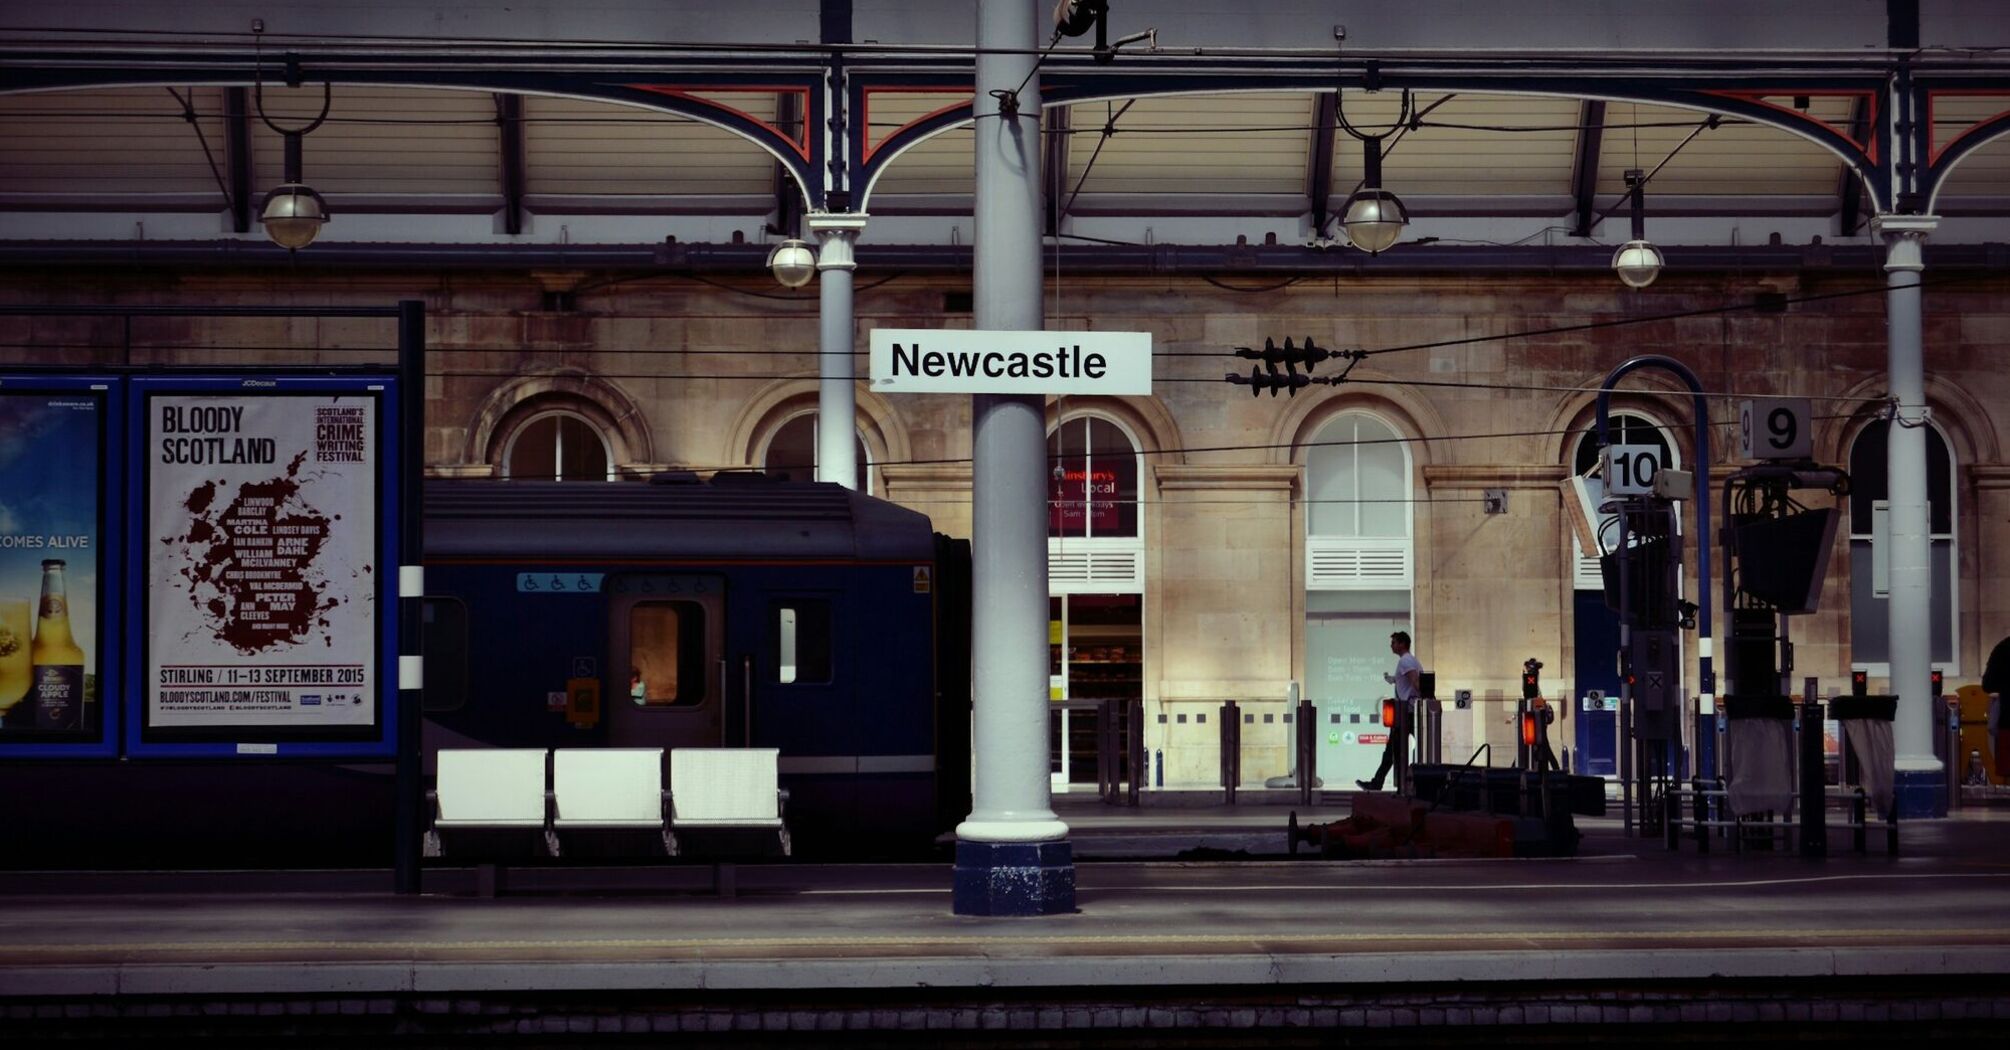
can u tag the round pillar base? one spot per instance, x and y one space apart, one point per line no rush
1920 793
1014 878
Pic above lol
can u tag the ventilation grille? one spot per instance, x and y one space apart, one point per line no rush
1074 570
1357 563
1587 577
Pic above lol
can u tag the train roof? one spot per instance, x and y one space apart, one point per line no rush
736 517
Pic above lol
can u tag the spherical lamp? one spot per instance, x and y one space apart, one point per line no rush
1374 219
293 215
793 262
1637 263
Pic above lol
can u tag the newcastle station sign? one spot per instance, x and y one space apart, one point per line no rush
931 361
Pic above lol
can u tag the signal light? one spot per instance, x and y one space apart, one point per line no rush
1528 728
1389 713
1859 683
1531 687
1936 685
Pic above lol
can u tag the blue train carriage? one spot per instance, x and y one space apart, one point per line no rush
743 611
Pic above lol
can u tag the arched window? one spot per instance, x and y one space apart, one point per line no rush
792 453
556 444
1095 586
1093 470
1870 582
1359 560
1357 479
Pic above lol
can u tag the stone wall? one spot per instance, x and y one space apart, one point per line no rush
682 373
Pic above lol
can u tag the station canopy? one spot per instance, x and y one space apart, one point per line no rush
413 165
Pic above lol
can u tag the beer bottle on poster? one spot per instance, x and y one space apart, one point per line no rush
59 664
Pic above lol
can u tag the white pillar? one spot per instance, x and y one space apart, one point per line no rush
1909 547
837 426
1012 854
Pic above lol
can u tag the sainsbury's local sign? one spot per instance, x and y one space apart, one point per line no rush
930 361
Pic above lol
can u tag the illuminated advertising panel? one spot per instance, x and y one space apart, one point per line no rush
262 569
52 463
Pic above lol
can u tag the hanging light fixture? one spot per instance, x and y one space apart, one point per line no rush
1637 262
793 262
292 212
1373 218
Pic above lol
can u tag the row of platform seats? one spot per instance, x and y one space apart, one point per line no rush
590 791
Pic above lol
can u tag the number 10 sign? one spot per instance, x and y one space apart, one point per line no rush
1629 469
1774 428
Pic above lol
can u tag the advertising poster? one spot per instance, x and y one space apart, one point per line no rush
261 566
1078 495
50 467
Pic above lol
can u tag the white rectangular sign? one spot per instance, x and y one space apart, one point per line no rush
261 563
1629 469
943 361
1774 428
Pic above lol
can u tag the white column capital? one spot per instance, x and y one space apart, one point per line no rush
1904 235
835 232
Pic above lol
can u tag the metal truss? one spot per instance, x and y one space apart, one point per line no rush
834 158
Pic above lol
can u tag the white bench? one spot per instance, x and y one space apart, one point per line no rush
493 791
609 789
726 789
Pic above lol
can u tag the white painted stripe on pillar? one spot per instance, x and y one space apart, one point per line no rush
411 581
411 672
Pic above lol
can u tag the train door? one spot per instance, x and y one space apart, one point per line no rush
667 652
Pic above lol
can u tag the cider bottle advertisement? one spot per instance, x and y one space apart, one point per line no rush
261 569
50 460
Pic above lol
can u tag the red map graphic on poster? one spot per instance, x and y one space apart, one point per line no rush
250 563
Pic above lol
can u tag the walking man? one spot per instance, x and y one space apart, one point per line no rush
1406 679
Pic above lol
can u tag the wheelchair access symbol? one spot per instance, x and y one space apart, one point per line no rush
559 582
584 667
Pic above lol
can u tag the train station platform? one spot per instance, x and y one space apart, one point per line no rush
1625 941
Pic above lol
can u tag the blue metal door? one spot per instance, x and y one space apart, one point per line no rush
1596 667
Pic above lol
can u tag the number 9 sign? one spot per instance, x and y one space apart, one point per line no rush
1774 428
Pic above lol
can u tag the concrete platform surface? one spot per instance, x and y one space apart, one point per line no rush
1627 910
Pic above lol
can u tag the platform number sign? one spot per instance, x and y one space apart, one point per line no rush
1774 428
1629 469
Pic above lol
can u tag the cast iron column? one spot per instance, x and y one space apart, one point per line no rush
1908 543
1012 854
837 441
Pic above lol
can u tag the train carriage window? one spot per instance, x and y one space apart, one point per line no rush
445 623
666 654
803 641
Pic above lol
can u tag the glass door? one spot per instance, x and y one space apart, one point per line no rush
1095 653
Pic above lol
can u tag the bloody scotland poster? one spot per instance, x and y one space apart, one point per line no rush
51 462
261 574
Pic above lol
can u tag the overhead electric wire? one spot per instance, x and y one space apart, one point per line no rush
1707 311
1675 431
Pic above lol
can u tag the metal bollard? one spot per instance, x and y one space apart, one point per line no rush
1106 751
1134 749
1814 793
1308 751
1231 750
1953 765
